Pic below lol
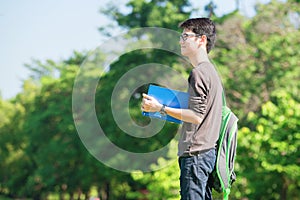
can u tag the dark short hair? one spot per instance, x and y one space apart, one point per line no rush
202 26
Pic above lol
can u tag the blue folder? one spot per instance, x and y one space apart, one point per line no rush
170 98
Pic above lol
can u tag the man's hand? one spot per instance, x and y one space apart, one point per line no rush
150 104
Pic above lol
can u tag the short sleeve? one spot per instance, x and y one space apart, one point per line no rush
198 90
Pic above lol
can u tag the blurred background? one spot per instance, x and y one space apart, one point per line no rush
43 45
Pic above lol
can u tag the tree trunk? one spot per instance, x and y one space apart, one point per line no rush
71 196
79 194
61 196
87 196
107 190
284 189
104 192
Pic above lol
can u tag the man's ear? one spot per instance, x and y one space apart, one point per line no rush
202 40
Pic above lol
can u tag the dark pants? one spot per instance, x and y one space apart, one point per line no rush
194 173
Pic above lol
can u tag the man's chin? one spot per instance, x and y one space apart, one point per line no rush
183 52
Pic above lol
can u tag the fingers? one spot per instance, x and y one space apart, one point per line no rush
150 104
146 102
143 107
145 96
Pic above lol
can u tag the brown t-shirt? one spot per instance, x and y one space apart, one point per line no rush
205 100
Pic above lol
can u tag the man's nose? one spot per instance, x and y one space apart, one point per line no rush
181 41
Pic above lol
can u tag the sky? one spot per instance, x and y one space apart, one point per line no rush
53 29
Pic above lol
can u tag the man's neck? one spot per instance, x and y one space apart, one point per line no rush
199 58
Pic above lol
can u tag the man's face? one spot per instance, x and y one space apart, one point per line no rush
189 42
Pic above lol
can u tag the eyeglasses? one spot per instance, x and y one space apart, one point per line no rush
185 36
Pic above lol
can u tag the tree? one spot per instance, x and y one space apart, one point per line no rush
257 64
162 182
153 13
12 143
271 149
252 55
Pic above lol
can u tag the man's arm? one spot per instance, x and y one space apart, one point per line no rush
150 104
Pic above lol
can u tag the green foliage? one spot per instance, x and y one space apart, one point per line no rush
264 57
269 153
153 13
104 94
260 73
11 146
159 184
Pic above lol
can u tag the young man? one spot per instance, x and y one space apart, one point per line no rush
202 119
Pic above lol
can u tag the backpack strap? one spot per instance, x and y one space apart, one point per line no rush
223 98
226 194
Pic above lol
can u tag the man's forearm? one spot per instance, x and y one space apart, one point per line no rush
150 104
185 115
